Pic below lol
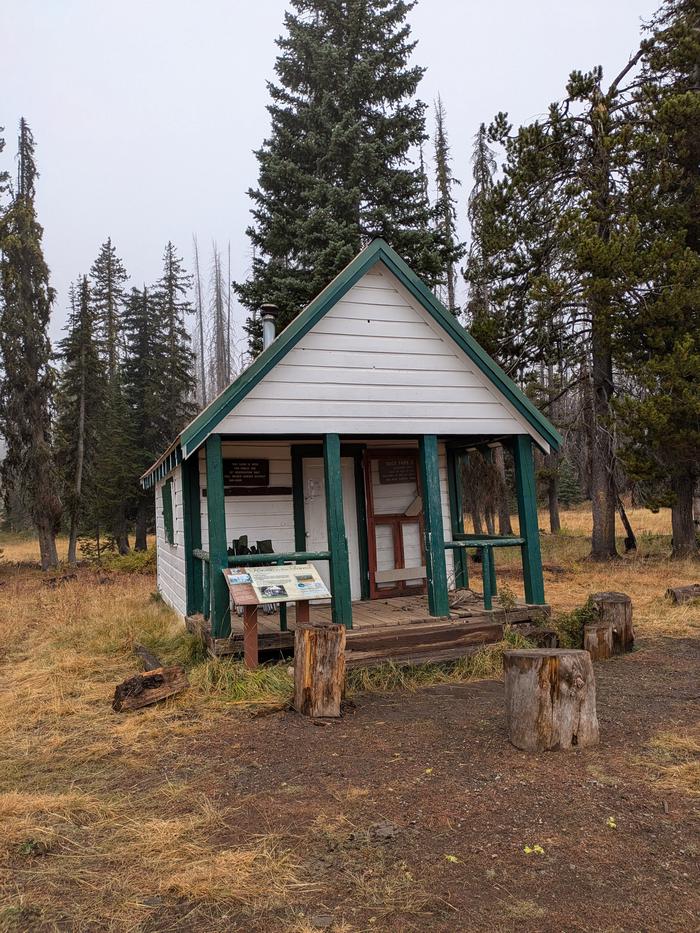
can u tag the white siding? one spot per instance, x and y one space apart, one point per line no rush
171 557
259 517
376 364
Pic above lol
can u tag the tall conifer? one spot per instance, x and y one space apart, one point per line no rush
173 306
27 378
445 213
336 170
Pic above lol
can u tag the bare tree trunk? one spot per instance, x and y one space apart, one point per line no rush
141 536
46 533
504 524
490 524
684 541
476 521
630 538
553 495
122 533
200 325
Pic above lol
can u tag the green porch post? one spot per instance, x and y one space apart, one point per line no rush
193 532
341 605
218 557
527 514
434 534
454 485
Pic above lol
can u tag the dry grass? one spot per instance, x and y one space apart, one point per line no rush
91 830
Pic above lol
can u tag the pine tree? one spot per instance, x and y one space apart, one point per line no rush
144 382
173 306
108 279
27 378
336 171
659 344
445 214
220 338
80 406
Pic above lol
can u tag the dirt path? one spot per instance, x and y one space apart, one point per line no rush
412 812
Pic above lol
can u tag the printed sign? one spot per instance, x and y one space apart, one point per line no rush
285 584
239 472
396 470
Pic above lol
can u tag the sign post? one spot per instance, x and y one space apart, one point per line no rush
251 587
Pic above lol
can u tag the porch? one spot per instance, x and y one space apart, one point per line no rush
398 629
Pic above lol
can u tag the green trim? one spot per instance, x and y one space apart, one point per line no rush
167 499
341 603
193 533
526 492
361 510
377 251
261 560
298 497
488 576
218 556
454 486
436 567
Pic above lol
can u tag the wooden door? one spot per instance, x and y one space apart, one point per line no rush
394 523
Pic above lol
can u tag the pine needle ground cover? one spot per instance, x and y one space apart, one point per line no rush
222 810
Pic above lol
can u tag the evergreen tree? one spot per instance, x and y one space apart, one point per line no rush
659 344
25 352
80 406
336 169
145 381
108 279
172 304
445 213
116 468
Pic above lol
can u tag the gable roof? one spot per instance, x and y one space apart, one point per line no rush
378 251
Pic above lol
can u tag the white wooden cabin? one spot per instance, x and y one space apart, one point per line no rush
374 393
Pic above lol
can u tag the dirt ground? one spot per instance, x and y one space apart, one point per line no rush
411 813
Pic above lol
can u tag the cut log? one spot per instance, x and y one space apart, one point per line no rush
149 660
150 687
319 668
683 594
550 699
598 640
616 608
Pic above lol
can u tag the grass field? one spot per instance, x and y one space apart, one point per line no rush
217 811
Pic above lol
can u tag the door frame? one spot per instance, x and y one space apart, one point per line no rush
300 452
395 521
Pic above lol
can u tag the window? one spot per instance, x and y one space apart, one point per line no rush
168 511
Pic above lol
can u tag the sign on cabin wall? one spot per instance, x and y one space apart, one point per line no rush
250 477
394 470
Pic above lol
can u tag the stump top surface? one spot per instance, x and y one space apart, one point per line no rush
611 597
544 652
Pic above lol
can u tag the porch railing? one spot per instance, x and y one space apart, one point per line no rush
485 544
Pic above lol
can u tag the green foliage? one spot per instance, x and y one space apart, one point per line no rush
569 625
335 170
133 562
569 486
26 375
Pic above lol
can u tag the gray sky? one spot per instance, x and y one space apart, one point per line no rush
146 112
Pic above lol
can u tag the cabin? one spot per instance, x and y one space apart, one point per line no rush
341 445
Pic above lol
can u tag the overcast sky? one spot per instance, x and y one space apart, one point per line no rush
146 112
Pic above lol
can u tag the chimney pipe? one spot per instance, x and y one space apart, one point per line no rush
268 315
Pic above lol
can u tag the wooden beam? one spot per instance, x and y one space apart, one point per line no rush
193 533
526 492
434 534
218 557
454 485
341 605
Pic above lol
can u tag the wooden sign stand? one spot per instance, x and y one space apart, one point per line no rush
250 629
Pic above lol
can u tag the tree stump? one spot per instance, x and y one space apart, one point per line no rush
319 668
540 637
598 640
683 594
616 608
550 699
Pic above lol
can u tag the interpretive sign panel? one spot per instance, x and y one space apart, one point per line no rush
284 584
397 470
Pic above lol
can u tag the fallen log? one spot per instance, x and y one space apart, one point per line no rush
616 608
319 669
550 699
598 640
540 637
683 594
149 687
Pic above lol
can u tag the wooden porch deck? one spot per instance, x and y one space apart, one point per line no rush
398 629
